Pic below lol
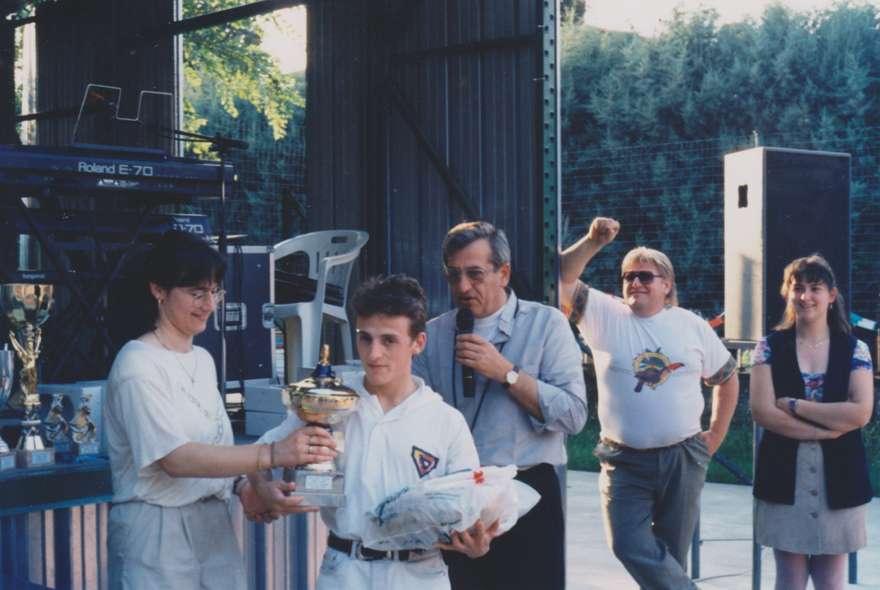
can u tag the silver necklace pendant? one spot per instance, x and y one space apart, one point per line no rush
192 377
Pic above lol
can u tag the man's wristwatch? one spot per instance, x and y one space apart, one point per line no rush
792 405
511 378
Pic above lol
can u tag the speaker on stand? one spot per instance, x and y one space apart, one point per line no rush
779 204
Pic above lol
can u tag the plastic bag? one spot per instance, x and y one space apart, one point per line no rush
427 513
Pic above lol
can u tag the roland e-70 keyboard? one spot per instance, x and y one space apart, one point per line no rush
151 174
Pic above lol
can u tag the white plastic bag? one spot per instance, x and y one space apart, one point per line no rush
427 513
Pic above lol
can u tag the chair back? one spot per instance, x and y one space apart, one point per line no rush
331 255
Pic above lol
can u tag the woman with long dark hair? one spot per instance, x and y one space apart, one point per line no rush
170 439
812 390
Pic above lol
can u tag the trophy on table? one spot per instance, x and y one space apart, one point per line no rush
7 376
27 307
56 426
83 429
320 400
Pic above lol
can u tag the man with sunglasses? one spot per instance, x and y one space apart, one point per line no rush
527 392
650 356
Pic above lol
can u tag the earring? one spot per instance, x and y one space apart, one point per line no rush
831 306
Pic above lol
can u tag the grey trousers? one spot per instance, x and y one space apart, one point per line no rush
651 503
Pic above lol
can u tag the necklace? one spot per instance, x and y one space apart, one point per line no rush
192 377
817 345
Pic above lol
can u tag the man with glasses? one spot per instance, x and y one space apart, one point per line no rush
526 392
650 356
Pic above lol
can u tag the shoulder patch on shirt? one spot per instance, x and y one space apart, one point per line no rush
425 462
652 368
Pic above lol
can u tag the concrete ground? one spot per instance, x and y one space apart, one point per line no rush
725 551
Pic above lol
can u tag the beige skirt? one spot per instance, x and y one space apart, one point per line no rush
809 527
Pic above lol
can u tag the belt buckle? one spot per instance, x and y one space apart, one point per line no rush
358 553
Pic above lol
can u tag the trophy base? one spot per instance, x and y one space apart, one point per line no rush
81 449
65 448
7 460
28 458
319 488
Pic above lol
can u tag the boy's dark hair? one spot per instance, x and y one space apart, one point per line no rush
397 295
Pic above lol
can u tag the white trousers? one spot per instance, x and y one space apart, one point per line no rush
157 548
339 571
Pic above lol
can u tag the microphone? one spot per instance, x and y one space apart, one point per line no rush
95 103
464 321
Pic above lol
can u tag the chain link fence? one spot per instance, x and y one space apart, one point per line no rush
671 197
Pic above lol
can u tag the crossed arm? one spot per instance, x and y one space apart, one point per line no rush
812 421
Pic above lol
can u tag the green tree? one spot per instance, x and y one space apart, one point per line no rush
232 54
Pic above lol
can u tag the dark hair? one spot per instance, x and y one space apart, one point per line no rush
176 259
464 234
812 269
397 295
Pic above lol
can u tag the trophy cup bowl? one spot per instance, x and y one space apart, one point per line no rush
7 377
27 307
320 400
26 304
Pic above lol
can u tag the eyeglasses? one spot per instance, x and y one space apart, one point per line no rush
201 298
474 275
646 277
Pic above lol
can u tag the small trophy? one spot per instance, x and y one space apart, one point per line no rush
7 375
320 400
27 307
56 426
84 429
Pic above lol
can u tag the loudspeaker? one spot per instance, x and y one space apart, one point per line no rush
250 346
780 204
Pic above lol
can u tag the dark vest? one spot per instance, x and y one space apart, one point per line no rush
847 481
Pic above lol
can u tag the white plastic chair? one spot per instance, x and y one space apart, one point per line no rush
331 257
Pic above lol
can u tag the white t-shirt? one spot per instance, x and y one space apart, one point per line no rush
152 408
420 439
649 370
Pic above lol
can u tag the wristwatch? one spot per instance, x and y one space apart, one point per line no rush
792 404
511 378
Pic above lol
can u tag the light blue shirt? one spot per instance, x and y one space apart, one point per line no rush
537 338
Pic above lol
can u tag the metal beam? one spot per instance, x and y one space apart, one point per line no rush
465 48
213 19
551 172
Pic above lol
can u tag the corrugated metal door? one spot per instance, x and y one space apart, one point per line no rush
436 113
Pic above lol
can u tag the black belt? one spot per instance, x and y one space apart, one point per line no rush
364 554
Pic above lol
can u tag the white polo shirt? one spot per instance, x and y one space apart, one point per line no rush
421 438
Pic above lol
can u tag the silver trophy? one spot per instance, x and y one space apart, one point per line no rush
83 429
27 307
7 376
320 400
56 426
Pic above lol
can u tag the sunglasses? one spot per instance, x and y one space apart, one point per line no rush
474 275
646 277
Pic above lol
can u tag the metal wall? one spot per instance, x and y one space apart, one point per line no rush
81 43
432 115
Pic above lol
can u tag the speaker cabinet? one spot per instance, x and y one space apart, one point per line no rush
250 346
779 204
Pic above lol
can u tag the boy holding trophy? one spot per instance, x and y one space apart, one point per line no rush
401 433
